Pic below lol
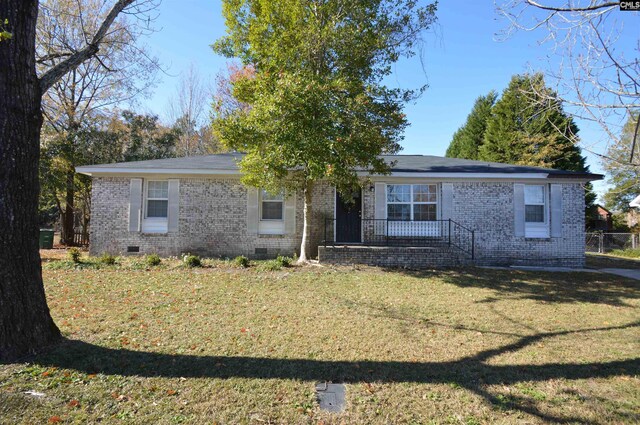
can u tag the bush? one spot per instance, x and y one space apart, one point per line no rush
192 260
74 255
241 261
107 259
271 265
284 261
152 260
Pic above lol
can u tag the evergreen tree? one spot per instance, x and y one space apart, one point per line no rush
528 126
467 139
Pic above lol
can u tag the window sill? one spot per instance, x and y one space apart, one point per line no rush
271 235
537 238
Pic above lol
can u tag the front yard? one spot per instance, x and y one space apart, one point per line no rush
223 344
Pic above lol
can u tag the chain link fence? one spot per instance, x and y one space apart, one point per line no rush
606 242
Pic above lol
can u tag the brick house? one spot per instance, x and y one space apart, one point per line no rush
430 211
602 219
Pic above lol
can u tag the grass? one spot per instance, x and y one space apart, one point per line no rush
629 253
611 260
224 344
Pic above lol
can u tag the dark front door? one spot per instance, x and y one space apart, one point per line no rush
348 214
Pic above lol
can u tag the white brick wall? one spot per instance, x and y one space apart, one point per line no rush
213 213
212 221
487 208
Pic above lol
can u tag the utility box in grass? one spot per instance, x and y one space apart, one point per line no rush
46 239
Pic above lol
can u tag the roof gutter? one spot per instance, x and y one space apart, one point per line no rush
90 171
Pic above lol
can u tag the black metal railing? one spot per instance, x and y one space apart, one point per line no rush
383 232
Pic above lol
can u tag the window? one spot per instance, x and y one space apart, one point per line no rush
534 204
536 211
157 199
417 202
272 206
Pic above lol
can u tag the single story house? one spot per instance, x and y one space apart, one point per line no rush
429 211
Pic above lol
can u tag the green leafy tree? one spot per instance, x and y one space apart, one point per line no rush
624 177
143 137
467 139
317 107
126 136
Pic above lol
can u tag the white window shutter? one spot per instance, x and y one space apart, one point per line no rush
290 214
135 205
380 212
173 205
518 208
252 210
556 210
446 204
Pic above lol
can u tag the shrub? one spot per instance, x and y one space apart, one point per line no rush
271 265
241 261
192 260
284 261
107 259
74 255
152 260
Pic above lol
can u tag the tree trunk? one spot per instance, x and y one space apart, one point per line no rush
306 226
25 323
68 215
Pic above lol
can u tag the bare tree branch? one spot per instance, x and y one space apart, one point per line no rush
55 73
595 62
573 9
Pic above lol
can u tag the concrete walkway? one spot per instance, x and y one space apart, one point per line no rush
630 273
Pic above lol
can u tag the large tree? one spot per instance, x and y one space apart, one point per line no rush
525 128
318 108
467 139
624 177
118 72
25 322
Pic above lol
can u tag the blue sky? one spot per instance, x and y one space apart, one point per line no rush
462 60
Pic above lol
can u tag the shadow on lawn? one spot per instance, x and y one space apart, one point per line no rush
471 372
549 287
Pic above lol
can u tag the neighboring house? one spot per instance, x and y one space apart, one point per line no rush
602 220
633 216
430 211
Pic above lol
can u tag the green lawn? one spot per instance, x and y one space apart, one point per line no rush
611 260
228 345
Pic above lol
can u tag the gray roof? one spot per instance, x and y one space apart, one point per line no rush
399 164
439 164
222 161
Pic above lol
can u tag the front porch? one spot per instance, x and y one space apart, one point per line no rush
397 243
